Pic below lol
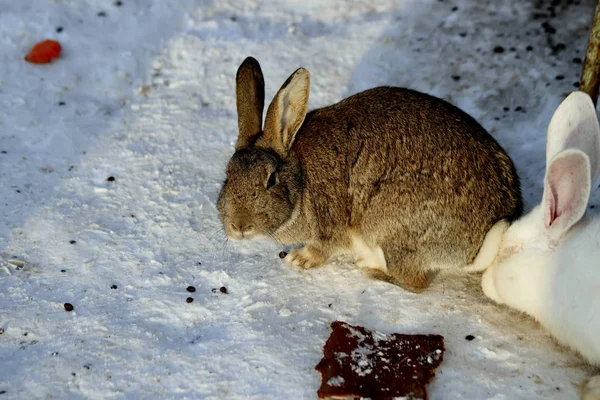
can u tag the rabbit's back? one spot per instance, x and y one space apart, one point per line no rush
573 302
397 164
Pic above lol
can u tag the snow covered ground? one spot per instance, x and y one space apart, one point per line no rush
144 93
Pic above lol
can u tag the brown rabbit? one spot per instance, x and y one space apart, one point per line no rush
404 181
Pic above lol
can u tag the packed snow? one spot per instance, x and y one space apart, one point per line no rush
144 93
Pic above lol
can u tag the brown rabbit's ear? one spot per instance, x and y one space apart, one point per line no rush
250 101
286 113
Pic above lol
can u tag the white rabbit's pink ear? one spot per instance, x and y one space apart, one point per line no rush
575 125
286 113
566 191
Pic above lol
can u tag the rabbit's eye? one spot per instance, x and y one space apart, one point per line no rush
272 181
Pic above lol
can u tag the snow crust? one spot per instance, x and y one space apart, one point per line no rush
145 94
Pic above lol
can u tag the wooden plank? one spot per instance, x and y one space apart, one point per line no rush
590 75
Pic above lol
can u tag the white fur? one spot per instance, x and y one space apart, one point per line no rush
366 256
577 114
560 288
548 264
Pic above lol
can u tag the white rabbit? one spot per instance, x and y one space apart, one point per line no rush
548 264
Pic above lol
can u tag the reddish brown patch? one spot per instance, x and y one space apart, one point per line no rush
359 363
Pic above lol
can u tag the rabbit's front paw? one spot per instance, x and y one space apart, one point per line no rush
305 257
591 390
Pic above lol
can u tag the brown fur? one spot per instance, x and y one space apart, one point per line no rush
404 171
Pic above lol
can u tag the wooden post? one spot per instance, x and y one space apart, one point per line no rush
590 75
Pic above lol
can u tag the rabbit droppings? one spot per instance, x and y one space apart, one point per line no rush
404 181
548 263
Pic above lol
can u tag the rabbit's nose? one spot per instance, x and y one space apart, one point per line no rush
242 227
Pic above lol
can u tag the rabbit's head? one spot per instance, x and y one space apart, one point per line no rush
263 181
572 152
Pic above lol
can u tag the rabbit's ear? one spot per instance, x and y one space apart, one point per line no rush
250 101
286 113
566 191
575 125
